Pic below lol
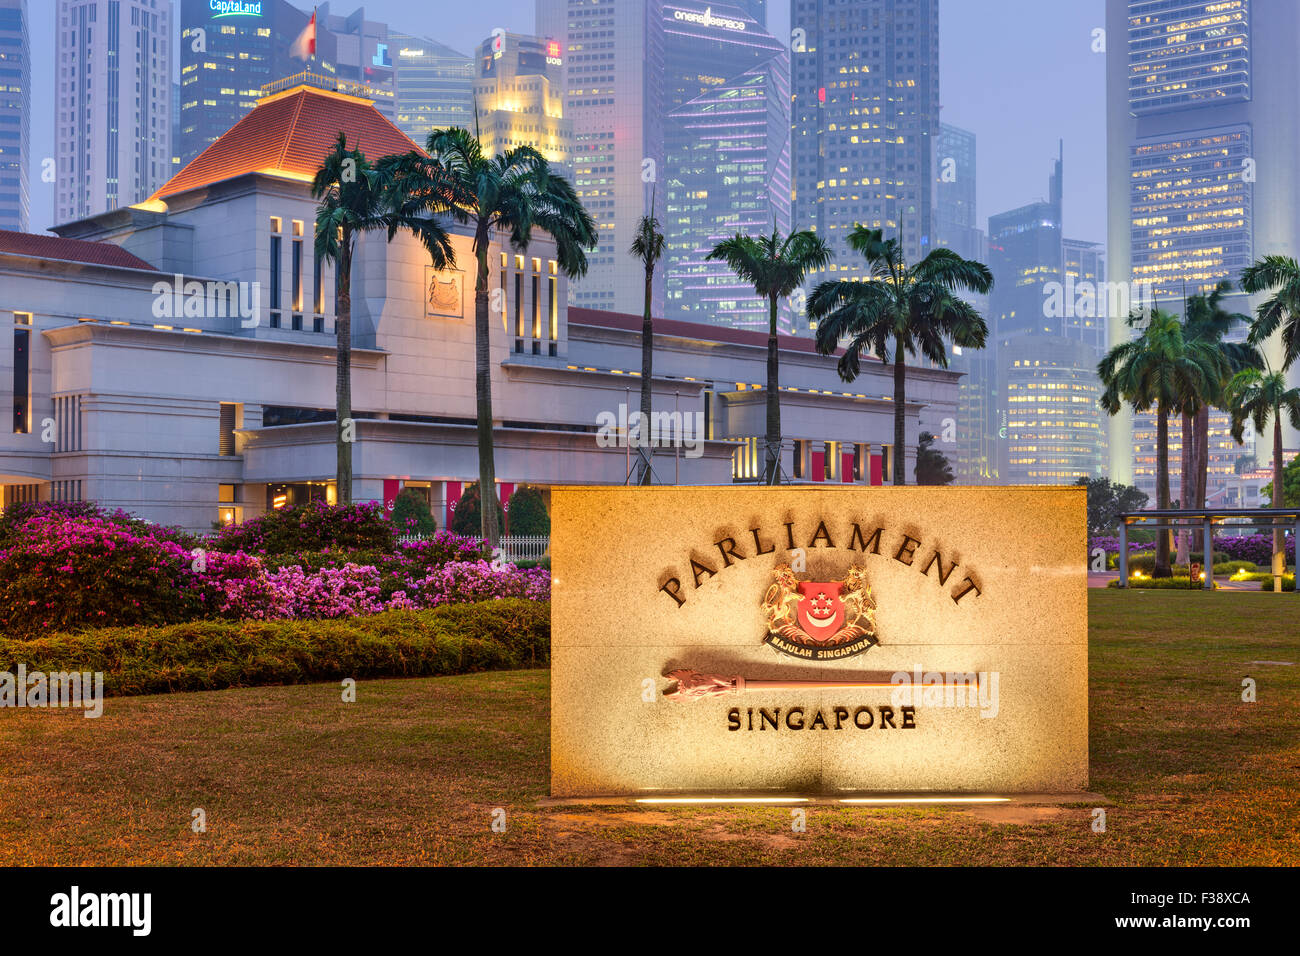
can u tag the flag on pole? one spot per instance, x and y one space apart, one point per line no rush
304 48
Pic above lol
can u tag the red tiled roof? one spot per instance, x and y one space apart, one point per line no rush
691 330
288 134
71 250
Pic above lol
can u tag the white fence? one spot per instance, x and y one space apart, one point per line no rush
514 548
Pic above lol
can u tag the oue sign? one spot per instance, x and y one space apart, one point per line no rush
820 641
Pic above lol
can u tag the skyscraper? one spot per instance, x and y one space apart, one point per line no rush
15 115
974 442
726 152
229 54
956 225
113 117
519 97
435 86
1203 142
1043 314
865 121
613 53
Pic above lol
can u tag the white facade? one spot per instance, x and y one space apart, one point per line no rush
127 396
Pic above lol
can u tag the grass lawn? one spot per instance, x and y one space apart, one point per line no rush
411 773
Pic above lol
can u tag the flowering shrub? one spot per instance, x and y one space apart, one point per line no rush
461 581
443 547
316 526
16 515
61 572
66 569
1255 548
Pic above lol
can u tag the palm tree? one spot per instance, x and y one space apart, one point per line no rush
648 246
914 307
1208 321
514 192
352 200
1161 369
774 267
1257 396
1282 309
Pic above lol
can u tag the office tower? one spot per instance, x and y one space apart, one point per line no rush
613 77
113 103
229 54
1045 324
1025 255
519 97
15 115
1055 429
865 122
726 152
955 222
1203 134
973 446
435 86
1084 284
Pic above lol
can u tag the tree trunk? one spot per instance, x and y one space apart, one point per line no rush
1279 501
487 473
647 368
772 441
1185 480
1162 569
1202 458
900 415
345 428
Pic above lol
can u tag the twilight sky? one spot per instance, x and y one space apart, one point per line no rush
1021 74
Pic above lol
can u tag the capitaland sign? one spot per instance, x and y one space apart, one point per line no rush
235 8
826 640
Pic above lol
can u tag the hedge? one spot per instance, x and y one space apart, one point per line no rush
212 655
1158 584
1147 562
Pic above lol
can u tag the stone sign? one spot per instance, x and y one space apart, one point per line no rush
818 640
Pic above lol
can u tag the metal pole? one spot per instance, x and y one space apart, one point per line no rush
1207 555
1123 553
677 446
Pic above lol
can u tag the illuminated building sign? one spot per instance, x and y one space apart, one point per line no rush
407 52
707 19
553 53
235 8
832 640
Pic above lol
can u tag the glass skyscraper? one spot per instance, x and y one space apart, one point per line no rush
15 115
113 118
613 81
726 150
226 59
520 97
1203 141
865 122
434 86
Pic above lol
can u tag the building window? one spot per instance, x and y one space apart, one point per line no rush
317 303
519 309
296 323
22 376
505 312
229 421
318 323
296 278
275 272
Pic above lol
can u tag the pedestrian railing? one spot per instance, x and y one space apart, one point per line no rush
514 548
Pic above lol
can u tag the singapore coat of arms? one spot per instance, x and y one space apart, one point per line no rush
820 620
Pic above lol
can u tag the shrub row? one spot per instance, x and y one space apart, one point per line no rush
211 655
1147 562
